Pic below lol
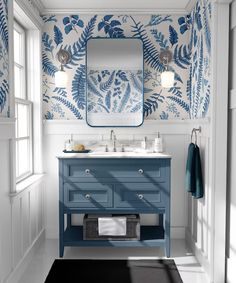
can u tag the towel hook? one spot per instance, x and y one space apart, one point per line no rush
194 131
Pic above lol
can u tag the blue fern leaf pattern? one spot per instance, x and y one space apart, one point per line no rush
108 100
207 31
49 115
206 102
3 26
122 76
4 89
160 38
61 91
198 17
136 108
173 35
93 88
51 18
199 80
151 54
111 27
124 99
176 90
78 86
135 82
151 103
47 42
69 105
182 56
103 106
72 23
78 49
157 19
58 37
107 85
164 115
48 67
180 102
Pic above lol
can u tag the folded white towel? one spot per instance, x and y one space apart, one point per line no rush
112 226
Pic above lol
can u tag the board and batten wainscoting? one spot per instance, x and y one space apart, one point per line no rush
231 199
176 135
22 224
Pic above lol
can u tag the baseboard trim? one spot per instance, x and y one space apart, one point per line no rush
17 272
231 263
201 258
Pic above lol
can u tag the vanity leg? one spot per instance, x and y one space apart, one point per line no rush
167 232
61 230
68 220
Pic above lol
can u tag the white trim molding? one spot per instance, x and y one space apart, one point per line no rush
232 99
67 127
115 11
218 146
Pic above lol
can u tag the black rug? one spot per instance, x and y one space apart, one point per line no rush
113 271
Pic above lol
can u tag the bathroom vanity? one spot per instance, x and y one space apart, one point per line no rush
115 183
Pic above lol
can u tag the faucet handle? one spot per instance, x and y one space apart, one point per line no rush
106 148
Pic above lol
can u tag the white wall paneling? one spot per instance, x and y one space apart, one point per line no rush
176 138
231 198
218 146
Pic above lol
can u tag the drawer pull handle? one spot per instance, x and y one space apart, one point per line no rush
87 196
140 171
87 171
140 196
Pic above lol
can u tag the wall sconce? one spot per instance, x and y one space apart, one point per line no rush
61 77
167 77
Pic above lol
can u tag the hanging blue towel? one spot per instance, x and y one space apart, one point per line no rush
190 172
193 178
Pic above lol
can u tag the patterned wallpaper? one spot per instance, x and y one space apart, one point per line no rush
200 68
188 37
4 85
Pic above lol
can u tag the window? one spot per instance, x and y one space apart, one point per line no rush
23 107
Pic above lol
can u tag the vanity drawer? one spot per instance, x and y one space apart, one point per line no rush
140 195
88 195
117 170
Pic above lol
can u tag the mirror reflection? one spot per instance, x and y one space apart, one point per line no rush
114 82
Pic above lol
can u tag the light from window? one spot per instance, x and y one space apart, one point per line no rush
23 107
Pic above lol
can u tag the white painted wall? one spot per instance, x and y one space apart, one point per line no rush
176 138
231 200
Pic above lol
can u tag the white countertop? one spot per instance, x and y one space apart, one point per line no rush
95 154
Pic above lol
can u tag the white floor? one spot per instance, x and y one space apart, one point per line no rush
39 267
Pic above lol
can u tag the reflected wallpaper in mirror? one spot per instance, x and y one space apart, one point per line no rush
114 82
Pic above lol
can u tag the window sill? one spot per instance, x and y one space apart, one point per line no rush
26 183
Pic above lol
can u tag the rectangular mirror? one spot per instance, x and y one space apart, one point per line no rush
114 82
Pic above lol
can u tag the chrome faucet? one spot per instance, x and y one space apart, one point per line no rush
113 138
114 143
112 135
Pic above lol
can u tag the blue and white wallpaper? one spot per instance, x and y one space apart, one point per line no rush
4 85
200 68
188 37
114 91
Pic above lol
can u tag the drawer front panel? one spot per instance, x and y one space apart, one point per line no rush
88 195
140 195
118 170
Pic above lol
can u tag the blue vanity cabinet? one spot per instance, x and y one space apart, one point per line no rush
114 186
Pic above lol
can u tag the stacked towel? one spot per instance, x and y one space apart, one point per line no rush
193 179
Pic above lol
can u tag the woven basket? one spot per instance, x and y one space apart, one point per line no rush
90 227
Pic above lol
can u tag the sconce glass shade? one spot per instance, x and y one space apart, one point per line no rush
167 79
61 79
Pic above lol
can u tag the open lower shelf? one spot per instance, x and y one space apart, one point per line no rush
150 236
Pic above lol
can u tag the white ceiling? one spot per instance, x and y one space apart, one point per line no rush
123 5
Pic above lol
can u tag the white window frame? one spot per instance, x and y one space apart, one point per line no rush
24 101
